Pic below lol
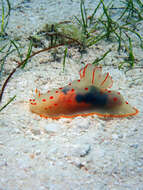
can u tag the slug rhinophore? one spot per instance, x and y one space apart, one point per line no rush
88 95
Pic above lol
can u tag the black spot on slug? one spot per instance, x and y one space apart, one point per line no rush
93 97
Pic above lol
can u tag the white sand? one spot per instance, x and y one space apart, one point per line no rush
73 154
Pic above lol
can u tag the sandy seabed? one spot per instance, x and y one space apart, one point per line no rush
72 154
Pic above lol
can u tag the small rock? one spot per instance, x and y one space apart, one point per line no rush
38 152
134 146
36 131
1 143
52 128
17 131
115 136
120 136
3 163
140 170
82 150
76 161
81 123
135 130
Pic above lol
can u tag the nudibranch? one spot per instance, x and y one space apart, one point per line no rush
86 96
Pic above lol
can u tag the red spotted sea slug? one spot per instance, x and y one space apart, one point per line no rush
88 95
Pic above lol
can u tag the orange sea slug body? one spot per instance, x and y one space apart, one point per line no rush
88 95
